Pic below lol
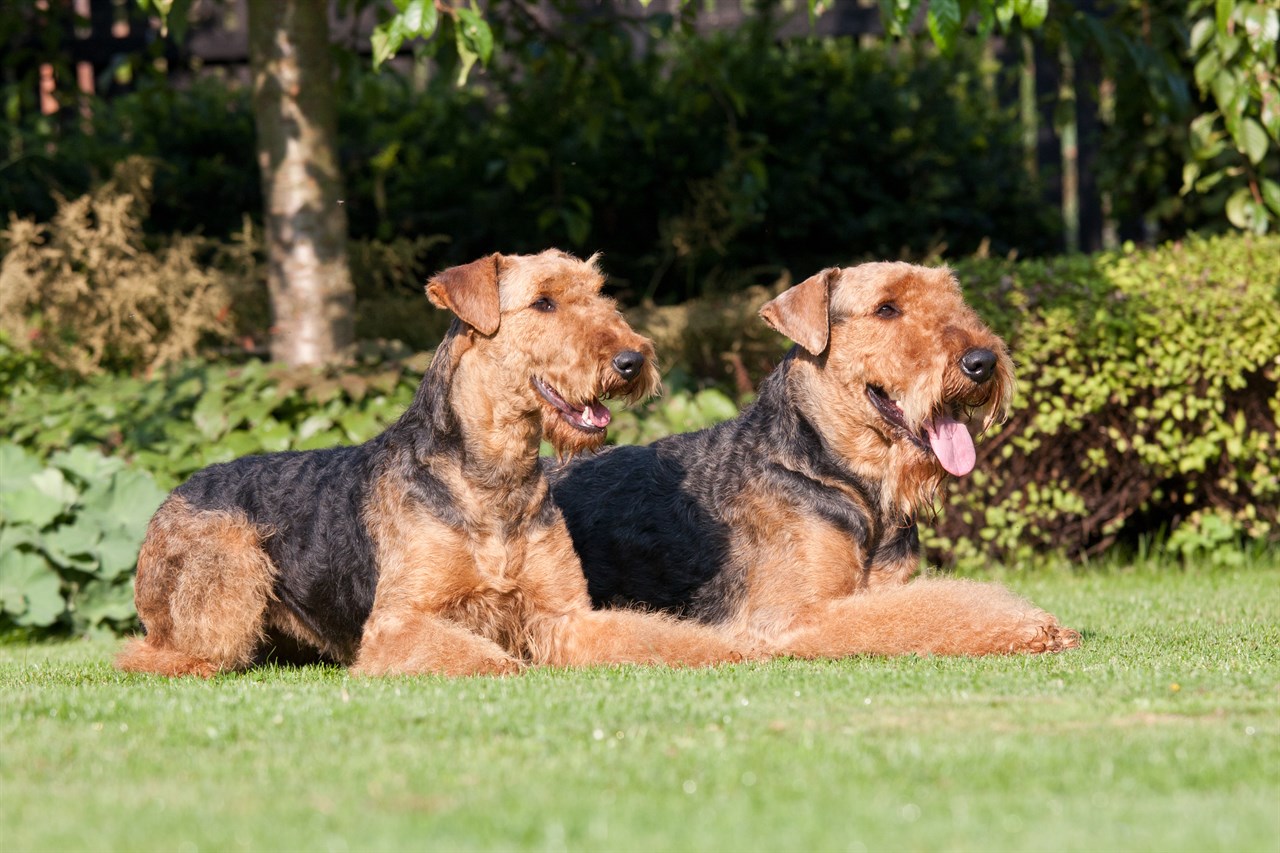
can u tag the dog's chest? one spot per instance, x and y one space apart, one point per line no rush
497 561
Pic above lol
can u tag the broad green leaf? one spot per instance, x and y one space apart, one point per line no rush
1222 14
33 505
1240 210
117 553
1032 13
420 17
30 589
210 415
99 600
1201 33
474 41
359 426
475 32
1190 172
1271 195
1004 14
1270 114
1252 141
72 546
86 464
16 465
54 484
1207 68
131 499
943 20
312 425
1226 91
14 535
386 40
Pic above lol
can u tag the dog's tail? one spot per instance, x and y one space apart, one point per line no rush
141 655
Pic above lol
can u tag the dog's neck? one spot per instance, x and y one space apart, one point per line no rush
488 435
903 483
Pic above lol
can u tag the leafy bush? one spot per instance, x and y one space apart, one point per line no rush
693 161
69 537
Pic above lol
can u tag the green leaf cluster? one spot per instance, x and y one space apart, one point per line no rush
197 414
69 535
685 410
1237 144
420 19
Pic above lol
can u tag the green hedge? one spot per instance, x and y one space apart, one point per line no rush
1147 407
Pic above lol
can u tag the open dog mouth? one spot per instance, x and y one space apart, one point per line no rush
945 437
590 417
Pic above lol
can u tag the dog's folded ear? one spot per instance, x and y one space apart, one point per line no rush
471 292
802 313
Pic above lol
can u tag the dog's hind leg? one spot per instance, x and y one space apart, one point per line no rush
929 616
202 590
414 642
585 637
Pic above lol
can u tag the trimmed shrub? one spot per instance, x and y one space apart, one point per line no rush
1147 404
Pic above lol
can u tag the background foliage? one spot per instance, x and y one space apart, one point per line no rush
694 163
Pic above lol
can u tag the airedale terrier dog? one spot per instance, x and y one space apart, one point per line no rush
435 547
792 527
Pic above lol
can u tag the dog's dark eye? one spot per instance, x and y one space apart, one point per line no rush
543 304
888 311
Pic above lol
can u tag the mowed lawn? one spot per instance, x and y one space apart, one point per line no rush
1162 733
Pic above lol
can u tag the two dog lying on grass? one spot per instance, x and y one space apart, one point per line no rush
444 545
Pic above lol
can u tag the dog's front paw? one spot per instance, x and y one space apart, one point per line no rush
1047 636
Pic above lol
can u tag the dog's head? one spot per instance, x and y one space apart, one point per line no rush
546 340
902 375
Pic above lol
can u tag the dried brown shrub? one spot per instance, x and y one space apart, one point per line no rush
717 337
90 291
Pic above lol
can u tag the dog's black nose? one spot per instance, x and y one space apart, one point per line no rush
978 364
628 363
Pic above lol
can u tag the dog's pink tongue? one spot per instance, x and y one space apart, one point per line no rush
951 442
596 414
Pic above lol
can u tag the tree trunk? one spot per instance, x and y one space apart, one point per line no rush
312 298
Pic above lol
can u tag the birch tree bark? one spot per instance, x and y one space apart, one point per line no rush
312 297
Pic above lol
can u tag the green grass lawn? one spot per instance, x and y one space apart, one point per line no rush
1162 733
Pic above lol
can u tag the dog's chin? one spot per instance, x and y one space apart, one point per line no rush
568 438
943 439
